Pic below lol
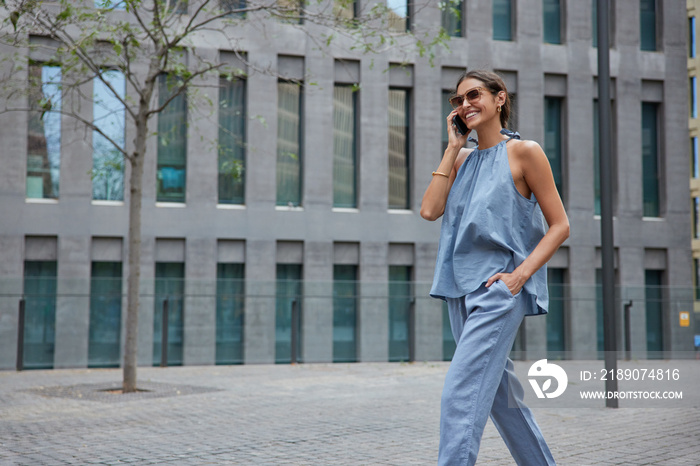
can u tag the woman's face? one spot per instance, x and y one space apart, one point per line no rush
476 108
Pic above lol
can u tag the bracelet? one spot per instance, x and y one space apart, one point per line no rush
441 174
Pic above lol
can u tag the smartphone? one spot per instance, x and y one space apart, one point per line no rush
461 126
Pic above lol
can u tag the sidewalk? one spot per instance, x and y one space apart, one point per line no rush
317 414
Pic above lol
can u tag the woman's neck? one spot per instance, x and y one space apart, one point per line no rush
490 135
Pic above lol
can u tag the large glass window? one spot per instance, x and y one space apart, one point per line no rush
556 334
44 132
344 146
289 144
696 273
452 11
694 158
345 313
650 160
109 117
553 138
289 289
398 15
551 19
170 287
39 314
695 207
105 314
653 281
691 37
399 166
503 19
647 24
596 158
400 297
693 97
172 140
448 340
233 6
230 305
232 142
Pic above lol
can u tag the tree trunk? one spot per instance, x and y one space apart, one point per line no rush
134 280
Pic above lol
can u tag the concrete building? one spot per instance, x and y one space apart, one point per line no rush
694 125
331 190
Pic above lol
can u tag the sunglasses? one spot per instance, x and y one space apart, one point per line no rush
472 95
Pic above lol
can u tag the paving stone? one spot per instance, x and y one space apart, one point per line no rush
368 413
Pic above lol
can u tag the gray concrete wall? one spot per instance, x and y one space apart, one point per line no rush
200 222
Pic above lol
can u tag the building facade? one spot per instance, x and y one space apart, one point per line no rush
312 206
694 125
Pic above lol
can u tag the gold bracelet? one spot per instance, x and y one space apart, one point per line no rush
441 174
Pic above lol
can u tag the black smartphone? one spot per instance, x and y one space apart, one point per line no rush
461 126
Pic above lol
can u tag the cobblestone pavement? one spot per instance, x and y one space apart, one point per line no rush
316 414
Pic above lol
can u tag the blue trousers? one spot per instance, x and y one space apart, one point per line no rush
481 381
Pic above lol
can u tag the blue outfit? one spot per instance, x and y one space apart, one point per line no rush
488 227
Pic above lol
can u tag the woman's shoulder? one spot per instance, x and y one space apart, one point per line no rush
526 149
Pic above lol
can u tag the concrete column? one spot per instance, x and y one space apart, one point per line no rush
581 314
259 320
72 302
146 299
428 310
317 323
200 301
374 302
11 271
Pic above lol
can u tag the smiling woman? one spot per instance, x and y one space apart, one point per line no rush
494 201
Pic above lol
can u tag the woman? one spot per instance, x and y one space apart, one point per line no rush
490 267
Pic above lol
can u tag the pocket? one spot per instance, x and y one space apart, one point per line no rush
505 288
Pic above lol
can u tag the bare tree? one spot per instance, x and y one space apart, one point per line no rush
147 39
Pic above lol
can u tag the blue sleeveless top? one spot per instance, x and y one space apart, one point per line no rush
488 227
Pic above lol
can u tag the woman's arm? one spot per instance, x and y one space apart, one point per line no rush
435 197
537 173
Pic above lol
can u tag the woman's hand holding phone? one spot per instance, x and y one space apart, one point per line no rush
457 130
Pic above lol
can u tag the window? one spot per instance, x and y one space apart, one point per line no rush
172 140
696 273
693 97
289 148
596 158
695 208
170 288
398 15
290 11
44 132
647 25
553 138
448 340
556 334
110 4
452 17
109 117
288 297
691 37
233 6
400 297
344 146
230 306
653 294
502 19
232 141
399 163
345 9
345 313
39 314
650 160
551 19
694 158
105 314
446 109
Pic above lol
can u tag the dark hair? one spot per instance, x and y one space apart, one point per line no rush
494 83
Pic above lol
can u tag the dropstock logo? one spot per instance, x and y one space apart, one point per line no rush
547 371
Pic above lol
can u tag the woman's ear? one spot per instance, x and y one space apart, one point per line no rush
501 98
